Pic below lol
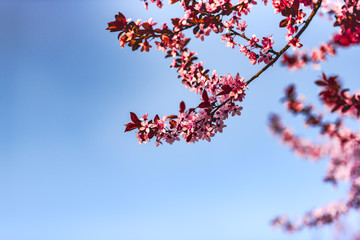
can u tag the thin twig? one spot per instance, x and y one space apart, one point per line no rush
248 39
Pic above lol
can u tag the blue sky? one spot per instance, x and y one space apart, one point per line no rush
68 170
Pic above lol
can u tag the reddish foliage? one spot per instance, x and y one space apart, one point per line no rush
220 95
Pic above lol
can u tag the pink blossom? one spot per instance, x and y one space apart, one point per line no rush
253 41
241 26
300 17
294 43
267 44
244 49
200 34
252 57
265 57
229 40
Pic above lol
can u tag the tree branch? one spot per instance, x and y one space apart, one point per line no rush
307 22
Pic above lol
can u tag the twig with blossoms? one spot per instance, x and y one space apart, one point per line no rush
219 94
342 148
300 59
307 22
347 17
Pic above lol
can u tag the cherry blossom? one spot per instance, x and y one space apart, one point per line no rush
222 95
342 148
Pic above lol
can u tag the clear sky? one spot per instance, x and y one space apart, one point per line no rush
69 172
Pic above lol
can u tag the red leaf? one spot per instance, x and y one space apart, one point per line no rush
175 21
290 91
172 123
157 118
188 139
222 93
182 107
191 110
146 26
205 96
135 46
151 134
172 116
336 107
346 108
226 89
283 23
134 118
120 17
204 105
130 127
119 23
320 83
324 77
286 12
295 6
186 41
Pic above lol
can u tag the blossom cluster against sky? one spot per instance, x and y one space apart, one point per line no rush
67 170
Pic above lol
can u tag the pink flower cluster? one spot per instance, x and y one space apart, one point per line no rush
346 16
221 94
300 146
159 3
263 55
316 218
193 124
342 148
204 17
301 59
349 22
293 17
